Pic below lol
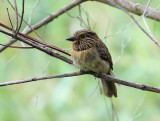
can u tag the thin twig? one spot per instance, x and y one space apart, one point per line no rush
146 7
10 19
135 115
88 22
16 13
30 16
18 47
14 56
144 20
21 17
123 45
80 18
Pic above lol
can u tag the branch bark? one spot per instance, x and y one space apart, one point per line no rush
33 40
38 46
104 76
134 7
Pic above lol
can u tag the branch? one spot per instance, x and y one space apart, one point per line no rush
134 7
32 40
41 78
104 76
38 46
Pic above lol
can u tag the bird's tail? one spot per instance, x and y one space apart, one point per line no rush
109 87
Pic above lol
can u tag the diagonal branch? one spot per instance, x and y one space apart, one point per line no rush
38 46
134 7
32 39
104 76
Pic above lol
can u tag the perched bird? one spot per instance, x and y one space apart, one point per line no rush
89 53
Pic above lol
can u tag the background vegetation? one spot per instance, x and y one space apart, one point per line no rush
79 98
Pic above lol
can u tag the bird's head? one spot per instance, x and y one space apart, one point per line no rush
83 35
83 39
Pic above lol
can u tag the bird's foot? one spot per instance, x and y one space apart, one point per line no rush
97 75
82 71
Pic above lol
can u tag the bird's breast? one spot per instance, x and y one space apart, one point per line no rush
89 60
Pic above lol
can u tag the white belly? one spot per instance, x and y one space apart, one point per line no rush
90 60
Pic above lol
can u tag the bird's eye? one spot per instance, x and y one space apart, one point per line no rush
82 36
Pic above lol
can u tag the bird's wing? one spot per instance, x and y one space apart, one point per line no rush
104 53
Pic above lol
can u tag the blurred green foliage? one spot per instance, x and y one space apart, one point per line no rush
79 98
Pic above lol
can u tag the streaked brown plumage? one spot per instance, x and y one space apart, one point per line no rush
90 53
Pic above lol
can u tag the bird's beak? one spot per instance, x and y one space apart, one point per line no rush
71 39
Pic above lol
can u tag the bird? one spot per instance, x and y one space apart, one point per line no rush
89 53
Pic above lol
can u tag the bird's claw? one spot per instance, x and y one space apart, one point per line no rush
97 75
82 71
